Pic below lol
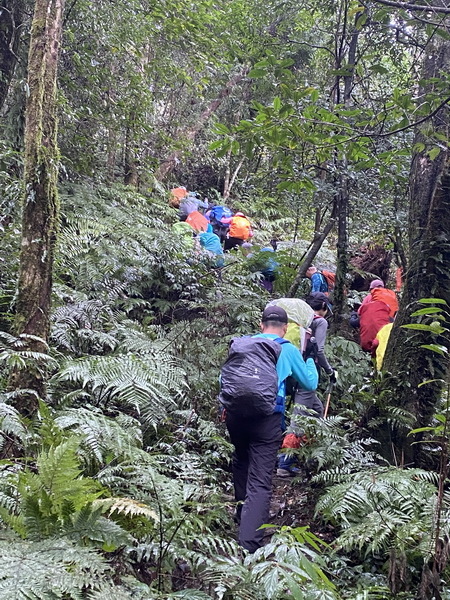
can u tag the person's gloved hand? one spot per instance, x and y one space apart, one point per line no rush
333 376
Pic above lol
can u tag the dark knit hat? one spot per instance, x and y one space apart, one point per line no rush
274 313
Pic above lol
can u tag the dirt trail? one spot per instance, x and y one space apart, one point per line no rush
293 503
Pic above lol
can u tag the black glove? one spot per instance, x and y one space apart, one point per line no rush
333 376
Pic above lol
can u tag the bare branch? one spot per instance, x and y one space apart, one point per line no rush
415 123
419 7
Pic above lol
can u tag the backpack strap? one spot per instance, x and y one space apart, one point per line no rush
281 341
281 397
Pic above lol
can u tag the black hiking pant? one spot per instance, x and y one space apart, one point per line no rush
256 442
232 242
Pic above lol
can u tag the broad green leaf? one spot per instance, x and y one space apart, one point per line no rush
430 381
426 311
432 301
221 128
257 73
419 327
434 152
379 69
422 430
442 350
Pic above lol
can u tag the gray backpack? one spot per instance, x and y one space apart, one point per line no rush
249 380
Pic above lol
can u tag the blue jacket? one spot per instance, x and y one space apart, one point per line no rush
211 243
318 283
290 362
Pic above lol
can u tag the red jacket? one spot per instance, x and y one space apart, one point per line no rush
372 317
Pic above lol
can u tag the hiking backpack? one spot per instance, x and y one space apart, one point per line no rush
240 228
387 296
310 344
330 278
219 212
249 379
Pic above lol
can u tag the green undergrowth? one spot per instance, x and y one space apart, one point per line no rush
120 487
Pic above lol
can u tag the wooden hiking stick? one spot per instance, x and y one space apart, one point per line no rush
327 402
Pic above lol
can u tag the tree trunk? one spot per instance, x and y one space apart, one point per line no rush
230 178
428 274
131 176
343 193
339 297
167 165
40 208
319 238
11 17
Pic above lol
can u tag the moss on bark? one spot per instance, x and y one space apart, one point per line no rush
41 206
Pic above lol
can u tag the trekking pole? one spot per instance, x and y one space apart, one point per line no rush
328 398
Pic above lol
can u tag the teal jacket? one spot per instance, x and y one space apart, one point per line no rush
290 362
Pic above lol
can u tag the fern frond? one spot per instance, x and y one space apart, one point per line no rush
100 436
54 568
128 507
60 476
381 507
148 385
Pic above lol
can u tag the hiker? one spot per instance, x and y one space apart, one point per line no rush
176 195
372 317
253 395
308 398
198 222
378 293
264 262
211 243
318 281
217 216
269 269
189 204
239 232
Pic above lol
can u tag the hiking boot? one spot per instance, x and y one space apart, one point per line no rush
291 472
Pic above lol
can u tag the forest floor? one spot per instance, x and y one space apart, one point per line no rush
293 503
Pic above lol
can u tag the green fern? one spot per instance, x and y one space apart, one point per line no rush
150 385
383 507
55 568
102 438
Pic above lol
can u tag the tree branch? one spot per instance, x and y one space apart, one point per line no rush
410 125
419 7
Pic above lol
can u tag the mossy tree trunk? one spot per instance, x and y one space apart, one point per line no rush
428 273
40 207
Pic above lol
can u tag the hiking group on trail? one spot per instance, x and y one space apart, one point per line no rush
220 230
285 360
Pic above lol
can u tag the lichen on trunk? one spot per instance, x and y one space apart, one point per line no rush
40 206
